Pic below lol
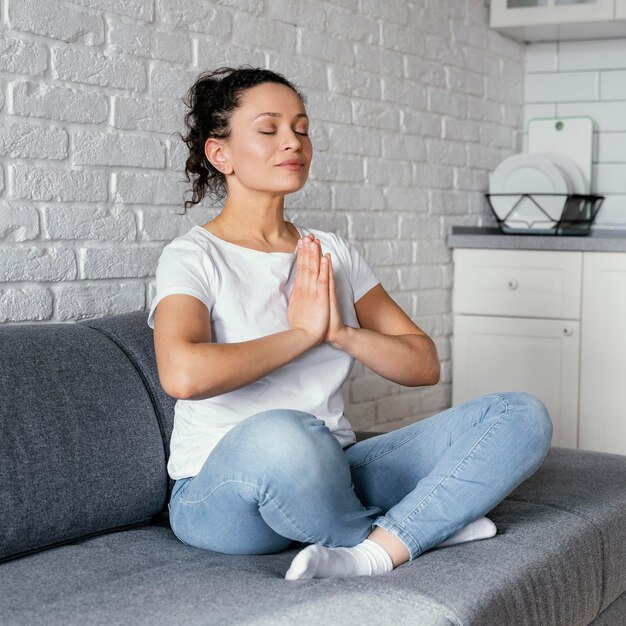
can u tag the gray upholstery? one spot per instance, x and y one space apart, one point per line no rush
84 429
80 447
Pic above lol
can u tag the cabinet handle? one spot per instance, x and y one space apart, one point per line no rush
568 331
513 284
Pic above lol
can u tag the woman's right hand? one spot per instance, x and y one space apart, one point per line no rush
309 307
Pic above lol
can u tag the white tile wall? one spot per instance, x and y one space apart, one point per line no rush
588 78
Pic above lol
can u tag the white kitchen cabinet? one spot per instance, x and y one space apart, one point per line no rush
538 356
516 328
603 354
551 323
554 20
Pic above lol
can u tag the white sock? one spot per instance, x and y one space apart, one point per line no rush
482 528
317 561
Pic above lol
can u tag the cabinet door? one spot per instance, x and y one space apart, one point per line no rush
531 12
603 353
538 356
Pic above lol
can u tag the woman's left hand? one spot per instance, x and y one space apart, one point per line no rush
336 327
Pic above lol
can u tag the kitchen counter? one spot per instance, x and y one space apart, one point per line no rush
491 237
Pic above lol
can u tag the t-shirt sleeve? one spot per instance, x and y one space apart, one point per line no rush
362 276
182 269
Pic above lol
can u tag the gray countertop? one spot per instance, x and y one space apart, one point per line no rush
491 237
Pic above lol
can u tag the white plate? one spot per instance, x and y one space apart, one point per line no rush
569 167
530 174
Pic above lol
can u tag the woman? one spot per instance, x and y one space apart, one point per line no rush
257 327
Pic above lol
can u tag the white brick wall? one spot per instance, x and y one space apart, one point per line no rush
412 104
587 78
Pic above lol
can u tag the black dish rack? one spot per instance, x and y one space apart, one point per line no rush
577 214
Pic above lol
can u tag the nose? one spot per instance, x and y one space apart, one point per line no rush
291 141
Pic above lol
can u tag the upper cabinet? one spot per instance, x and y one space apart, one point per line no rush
554 20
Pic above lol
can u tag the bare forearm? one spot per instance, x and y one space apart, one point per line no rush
409 360
211 369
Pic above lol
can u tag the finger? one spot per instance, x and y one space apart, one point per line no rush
322 285
314 261
300 258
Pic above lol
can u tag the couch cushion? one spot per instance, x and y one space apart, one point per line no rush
131 333
545 566
80 446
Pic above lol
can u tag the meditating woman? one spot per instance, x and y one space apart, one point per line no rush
257 324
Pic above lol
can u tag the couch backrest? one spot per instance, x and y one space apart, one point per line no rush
84 431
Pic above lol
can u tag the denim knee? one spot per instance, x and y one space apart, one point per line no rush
533 420
287 442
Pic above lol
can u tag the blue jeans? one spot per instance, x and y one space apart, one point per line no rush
280 477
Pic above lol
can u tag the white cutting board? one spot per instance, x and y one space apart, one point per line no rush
571 137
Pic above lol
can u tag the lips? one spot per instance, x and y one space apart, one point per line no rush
292 164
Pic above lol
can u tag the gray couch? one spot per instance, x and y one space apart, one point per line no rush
84 535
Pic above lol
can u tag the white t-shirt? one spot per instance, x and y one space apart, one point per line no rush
246 293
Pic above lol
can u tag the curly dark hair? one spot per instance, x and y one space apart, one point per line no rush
212 100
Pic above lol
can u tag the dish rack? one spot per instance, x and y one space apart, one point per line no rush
576 215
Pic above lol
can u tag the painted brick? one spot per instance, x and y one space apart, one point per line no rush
325 108
118 262
139 9
405 199
460 130
149 188
80 66
356 197
71 223
336 168
196 16
354 82
365 226
384 172
60 103
55 20
389 11
25 304
347 25
248 30
403 146
322 46
175 47
388 252
22 57
354 140
18 222
213 53
402 39
58 184
82 299
20 263
30 141
94 148
132 39
153 115
377 59
404 405
168 81
433 176
298 12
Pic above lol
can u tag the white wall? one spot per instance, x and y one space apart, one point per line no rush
587 78
412 104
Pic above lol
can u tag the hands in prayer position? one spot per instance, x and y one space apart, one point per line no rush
313 305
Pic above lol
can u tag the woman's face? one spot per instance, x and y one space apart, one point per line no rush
269 128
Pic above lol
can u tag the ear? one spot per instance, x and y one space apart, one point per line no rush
214 152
